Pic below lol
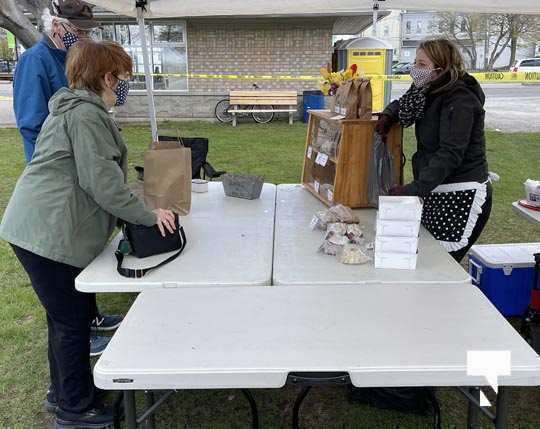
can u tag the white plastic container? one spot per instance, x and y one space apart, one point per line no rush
199 185
397 228
396 244
398 261
400 208
532 192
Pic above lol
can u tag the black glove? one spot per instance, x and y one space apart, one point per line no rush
397 191
383 125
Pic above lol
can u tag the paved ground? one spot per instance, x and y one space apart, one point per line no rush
509 107
6 105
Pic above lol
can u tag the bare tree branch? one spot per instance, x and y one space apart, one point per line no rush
13 19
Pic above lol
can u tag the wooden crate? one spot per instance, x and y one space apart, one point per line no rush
344 177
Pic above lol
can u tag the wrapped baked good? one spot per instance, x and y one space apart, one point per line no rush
329 248
354 233
339 228
335 238
343 214
353 254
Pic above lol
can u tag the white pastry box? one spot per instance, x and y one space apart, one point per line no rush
399 261
400 208
397 228
396 244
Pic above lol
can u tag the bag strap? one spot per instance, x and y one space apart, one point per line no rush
141 272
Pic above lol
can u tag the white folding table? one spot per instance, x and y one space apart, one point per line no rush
375 335
229 242
297 262
531 215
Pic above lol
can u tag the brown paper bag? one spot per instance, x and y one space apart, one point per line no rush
336 108
167 177
352 102
346 89
364 100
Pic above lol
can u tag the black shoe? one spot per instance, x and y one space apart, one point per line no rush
50 404
96 418
106 323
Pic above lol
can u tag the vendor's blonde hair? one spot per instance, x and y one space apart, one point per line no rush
445 55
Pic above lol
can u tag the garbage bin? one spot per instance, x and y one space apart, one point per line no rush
312 100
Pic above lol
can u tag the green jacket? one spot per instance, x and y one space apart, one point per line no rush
66 203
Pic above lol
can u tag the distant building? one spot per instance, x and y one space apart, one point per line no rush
405 30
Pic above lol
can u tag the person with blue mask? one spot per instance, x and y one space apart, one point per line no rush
40 71
39 74
76 186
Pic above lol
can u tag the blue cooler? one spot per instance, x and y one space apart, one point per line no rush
505 274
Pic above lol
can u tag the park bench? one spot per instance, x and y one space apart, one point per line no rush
6 76
258 101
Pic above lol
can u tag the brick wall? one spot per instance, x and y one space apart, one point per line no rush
277 46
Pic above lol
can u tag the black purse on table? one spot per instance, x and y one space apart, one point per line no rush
143 241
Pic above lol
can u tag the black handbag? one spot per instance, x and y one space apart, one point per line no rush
143 241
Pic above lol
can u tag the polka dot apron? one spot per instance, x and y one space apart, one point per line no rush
451 211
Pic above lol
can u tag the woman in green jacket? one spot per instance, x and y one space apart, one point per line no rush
64 209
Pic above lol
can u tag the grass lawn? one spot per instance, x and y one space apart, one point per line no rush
275 151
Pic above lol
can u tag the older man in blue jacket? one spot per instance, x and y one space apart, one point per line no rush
40 72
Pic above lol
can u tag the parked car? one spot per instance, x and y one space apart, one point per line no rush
402 68
526 65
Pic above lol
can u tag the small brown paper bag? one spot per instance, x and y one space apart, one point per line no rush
364 100
167 177
353 100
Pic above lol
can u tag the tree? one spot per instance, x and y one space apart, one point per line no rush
464 30
496 31
522 26
13 19
5 52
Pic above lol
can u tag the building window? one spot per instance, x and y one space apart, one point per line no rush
430 26
168 52
408 26
418 27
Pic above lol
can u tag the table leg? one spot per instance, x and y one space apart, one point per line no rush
150 400
130 410
253 408
117 410
501 415
473 413
297 405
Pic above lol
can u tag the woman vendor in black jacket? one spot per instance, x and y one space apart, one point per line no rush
450 169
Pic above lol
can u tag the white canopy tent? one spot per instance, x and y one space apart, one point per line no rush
248 8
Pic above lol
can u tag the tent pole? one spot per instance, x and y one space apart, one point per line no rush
375 17
147 75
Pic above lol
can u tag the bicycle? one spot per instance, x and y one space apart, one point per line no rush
223 115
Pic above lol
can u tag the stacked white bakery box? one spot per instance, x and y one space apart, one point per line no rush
397 228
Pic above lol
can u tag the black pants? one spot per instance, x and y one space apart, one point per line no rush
478 228
68 320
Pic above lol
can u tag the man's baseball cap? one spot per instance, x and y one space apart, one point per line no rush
76 12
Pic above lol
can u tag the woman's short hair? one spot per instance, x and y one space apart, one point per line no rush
445 55
88 61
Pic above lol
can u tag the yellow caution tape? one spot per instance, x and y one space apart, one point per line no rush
520 77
